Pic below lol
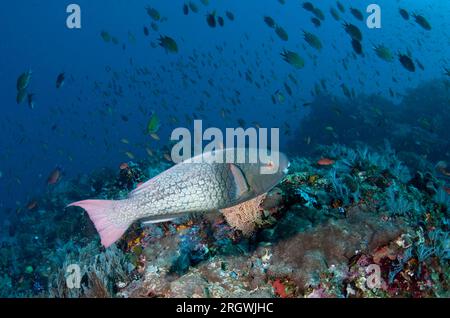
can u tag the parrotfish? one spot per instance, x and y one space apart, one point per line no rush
199 184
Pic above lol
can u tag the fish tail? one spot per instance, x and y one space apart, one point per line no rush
101 214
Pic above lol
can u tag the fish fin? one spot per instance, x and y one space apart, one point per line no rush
153 221
164 218
139 189
144 186
100 212
240 180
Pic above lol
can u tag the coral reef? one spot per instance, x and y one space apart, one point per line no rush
363 225
246 216
416 127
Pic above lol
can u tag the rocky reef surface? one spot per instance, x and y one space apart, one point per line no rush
360 224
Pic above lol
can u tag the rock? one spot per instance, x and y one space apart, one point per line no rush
333 243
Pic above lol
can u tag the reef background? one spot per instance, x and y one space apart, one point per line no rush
312 236
383 201
80 126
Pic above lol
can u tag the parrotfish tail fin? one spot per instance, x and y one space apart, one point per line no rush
100 212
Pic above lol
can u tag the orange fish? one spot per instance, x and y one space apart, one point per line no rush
124 166
32 205
325 162
54 176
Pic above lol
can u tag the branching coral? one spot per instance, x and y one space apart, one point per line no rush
339 186
440 241
106 271
364 159
102 272
398 267
245 216
396 203
58 288
443 198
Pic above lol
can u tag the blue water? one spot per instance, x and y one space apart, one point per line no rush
87 122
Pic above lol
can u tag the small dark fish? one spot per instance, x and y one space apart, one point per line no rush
335 14
54 176
211 19
312 40
357 47
23 81
420 65
168 43
32 205
269 21
124 118
220 21
230 15
357 14
273 99
316 22
447 71
420 20
21 95
293 58
353 31
146 32
308 6
60 80
288 89
319 14
185 9
193 7
346 91
404 13
340 6
407 63
153 13
282 34
31 103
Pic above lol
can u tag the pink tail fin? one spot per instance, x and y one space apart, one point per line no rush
100 212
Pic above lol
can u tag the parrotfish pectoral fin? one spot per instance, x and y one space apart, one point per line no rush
162 218
99 212
148 222
242 186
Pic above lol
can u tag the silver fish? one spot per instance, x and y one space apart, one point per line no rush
199 184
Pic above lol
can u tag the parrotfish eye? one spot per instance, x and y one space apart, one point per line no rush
270 165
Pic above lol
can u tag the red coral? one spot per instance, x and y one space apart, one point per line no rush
279 288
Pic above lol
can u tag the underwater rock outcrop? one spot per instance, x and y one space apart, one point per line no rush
417 125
